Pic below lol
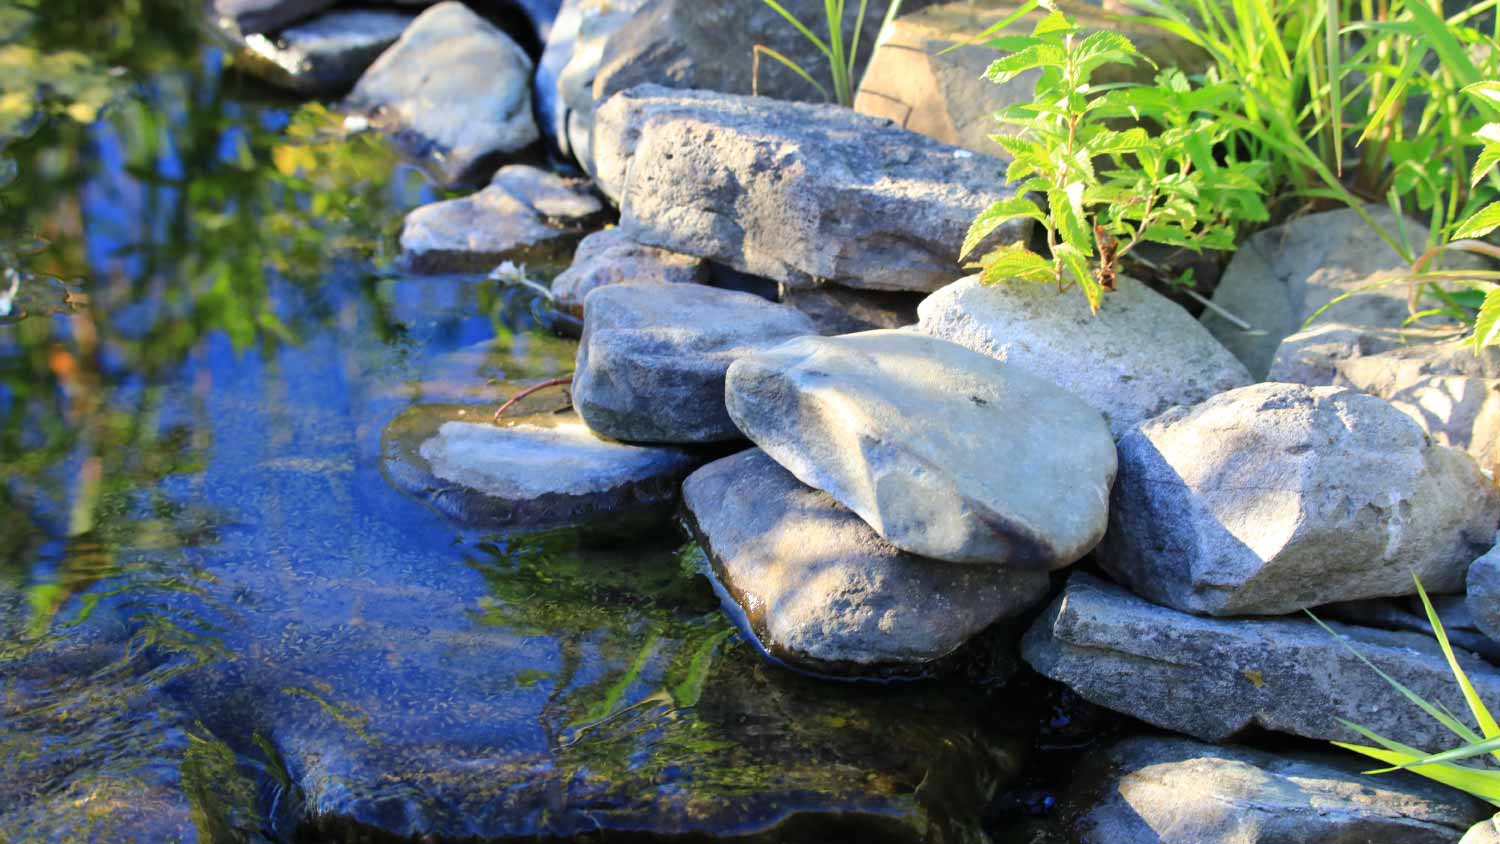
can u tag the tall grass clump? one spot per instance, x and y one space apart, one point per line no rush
842 56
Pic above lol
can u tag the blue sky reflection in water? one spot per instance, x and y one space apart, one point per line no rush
220 623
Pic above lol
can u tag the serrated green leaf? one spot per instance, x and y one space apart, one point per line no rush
1487 324
1078 267
1015 261
1484 221
1487 91
1053 23
996 216
1009 67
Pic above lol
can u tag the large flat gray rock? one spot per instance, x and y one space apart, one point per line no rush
611 257
324 55
521 211
1140 355
653 358
1275 497
945 452
531 472
792 192
454 91
1211 678
1149 790
820 590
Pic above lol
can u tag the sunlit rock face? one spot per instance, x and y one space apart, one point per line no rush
324 55
611 257
1277 497
252 16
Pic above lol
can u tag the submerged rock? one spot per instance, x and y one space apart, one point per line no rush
325 55
523 209
1212 678
454 90
1483 585
1140 355
821 591
1149 790
652 360
1276 497
530 473
792 192
611 257
946 453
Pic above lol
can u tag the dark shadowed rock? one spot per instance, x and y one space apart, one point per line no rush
652 360
1275 497
792 192
1211 678
611 257
1483 586
522 210
326 54
1149 790
843 310
252 16
820 590
531 472
944 452
454 91
565 79
1140 355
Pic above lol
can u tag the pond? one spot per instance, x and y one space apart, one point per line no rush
221 622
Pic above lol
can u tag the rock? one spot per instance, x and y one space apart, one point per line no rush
611 257
1281 276
1451 391
1139 356
1211 678
531 473
843 310
818 589
1149 790
1409 614
652 359
1483 585
1485 832
919 80
565 80
791 192
522 210
944 452
1275 497
454 90
324 55
254 16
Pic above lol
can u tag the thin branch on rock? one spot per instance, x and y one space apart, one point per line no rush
537 388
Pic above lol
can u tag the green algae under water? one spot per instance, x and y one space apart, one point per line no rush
220 623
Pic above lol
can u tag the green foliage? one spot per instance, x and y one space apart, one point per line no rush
843 57
1440 767
1107 188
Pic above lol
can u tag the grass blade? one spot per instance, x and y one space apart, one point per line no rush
760 49
806 33
1482 715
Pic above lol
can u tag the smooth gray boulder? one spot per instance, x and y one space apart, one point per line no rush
1483 588
1140 355
1281 276
253 16
843 310
565 78
1150 790
611 257
532 473
820 590
523 209
653 357
792 192
325 55
454 91
946 453
1276 497
1212 678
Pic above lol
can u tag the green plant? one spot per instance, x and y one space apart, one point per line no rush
1440 767
1108 189
842 58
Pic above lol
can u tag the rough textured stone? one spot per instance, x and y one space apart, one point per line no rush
1276 497
820 590
532 472
1140 355
944 452
841 310
521 210
792 192
454 90
1484 593
611 257
1451 391
1281 276
917 79
1409 614
324 55
1211 678
252 16
652 359
1149 790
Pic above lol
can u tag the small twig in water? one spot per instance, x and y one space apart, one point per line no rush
511 402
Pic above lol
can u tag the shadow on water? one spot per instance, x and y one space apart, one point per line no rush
220 623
